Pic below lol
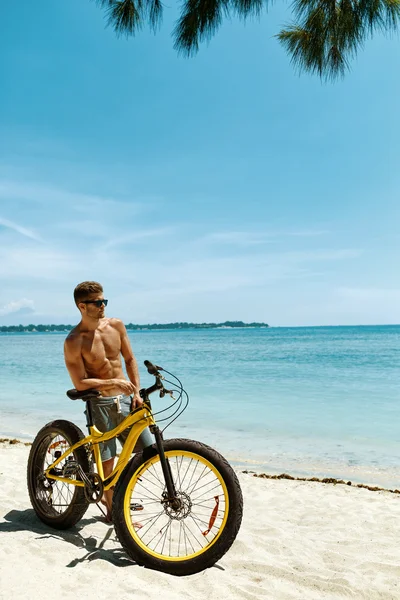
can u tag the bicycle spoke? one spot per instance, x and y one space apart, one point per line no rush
195 521
184 529
150 498
178 471
158 533
195 488
144 532
207 491
201 505
55 496
165 536
151 518
194 470
187 469
141 498
201 475
149 472
198 520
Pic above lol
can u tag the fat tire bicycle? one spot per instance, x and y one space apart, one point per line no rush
184 494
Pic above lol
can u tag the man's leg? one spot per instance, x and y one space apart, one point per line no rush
108 466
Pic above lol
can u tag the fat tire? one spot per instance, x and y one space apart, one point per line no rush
79 504
209 557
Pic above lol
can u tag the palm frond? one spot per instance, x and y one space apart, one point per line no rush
104 3
336 63
329 33
303 47
155 12
323 38
380 14
199 20
248 8
127 16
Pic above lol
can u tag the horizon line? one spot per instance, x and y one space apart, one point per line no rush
210 323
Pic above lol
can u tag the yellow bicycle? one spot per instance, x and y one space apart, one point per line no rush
184 494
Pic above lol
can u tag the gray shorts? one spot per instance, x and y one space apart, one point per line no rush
106 417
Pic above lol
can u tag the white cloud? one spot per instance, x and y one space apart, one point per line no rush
240 238
363 294
19 229
149 265
16 305
322 255
58 197
24 264
216 273
307 233
136 237
253 238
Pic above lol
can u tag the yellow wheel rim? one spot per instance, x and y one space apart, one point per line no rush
176 535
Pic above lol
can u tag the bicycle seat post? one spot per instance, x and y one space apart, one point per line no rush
89 416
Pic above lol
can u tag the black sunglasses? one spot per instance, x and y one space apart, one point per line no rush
98 303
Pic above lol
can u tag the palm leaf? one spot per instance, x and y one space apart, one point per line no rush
199 20
328 33
127 16
323 37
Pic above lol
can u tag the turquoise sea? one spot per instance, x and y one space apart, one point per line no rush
318 401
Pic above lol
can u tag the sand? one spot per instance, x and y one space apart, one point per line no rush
298 539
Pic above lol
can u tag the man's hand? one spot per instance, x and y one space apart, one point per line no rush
126 387
136 402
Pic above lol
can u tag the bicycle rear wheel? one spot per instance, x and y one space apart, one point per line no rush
185 540
57 503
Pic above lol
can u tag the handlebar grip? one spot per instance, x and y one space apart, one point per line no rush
152 369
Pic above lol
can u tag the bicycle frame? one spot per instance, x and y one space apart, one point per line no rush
138 420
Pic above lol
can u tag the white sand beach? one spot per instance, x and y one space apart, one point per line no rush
300 540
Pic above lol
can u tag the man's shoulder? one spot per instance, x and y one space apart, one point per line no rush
74 337
116 324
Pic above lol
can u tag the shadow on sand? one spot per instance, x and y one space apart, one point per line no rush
26 520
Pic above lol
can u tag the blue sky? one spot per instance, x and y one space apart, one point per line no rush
221 187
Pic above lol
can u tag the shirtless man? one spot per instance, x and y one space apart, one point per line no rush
92 353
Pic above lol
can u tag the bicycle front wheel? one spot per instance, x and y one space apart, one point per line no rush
192 537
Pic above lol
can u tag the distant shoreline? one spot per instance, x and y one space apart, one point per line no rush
188 326
132 326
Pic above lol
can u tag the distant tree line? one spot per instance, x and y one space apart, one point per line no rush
183 325
41 328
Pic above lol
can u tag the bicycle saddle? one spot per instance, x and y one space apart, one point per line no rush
83 394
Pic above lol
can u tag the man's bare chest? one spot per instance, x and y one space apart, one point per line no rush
99 346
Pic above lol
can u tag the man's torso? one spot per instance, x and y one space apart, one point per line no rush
101 351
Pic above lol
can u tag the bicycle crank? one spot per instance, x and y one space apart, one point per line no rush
93 488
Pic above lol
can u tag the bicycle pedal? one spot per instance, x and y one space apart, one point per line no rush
136 506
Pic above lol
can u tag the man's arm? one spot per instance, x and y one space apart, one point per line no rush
77 372
130 362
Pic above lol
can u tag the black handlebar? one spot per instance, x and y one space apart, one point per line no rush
152 369
158 386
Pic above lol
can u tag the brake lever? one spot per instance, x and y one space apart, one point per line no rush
169 392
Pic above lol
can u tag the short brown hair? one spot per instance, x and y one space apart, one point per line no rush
82 290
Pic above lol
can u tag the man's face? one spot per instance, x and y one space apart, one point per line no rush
90 308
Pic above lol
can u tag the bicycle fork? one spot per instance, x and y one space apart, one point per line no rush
172 498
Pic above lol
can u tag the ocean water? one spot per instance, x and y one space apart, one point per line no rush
321 401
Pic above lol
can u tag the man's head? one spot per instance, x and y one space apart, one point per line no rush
89 298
